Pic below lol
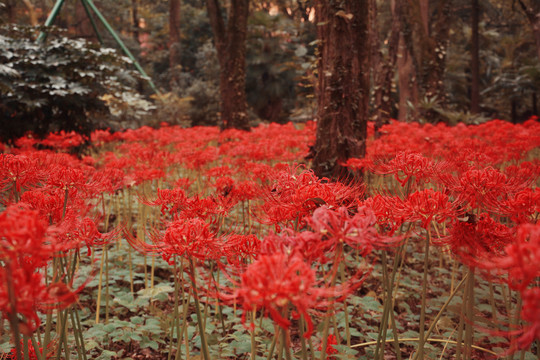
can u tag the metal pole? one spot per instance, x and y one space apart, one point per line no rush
92 21
121 43
54 13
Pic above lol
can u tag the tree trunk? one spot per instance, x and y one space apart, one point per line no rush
9 7
343 85
31 13
174 33
83 26
533 15
475 58
384 76
230 41
427 44
135 20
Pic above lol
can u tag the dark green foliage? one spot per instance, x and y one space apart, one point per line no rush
278 59
63 84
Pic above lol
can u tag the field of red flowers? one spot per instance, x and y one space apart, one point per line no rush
177 243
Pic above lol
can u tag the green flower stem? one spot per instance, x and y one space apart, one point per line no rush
252 335
326 326
174 323
517 318
420 350
78 344
39 355
345 309
469 328
62 332
441 311
301 326
387 304
180 333
100 283
286 347
388 286
79 332
200 320
25 348
273 344
13 319
461 325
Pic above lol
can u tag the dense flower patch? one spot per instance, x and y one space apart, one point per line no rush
243 220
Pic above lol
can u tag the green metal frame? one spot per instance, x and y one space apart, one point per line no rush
89 5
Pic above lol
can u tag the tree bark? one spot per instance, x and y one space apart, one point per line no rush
174 33
343 85
31 13
533 15
475 58
427 43
230 42
135 20
384 76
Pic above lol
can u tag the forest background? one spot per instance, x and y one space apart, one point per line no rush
481 55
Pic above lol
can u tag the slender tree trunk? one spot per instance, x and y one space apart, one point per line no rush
343 85
31 12
230 41
534 101
135 20
83 26
475 58
428 44
174 33
384 77
533 15
9 7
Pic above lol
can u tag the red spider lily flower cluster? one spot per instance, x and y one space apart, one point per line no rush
520 262
470 179
293 196
278 283
357 231
26 246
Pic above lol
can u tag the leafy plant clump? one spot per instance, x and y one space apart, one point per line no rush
62 84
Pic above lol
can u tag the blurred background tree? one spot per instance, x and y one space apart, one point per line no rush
421 59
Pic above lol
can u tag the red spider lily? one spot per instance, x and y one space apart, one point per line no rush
305 243
26 244
521 206
66 177
521 258
358 230
171 201
426 206
293 197
239 249
23 233
276 283
389 211
406 165
49 203
99 137
330 349
29 290
483 188
109 180
88 233
19 172
477 239
63 140
530 313
190 238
